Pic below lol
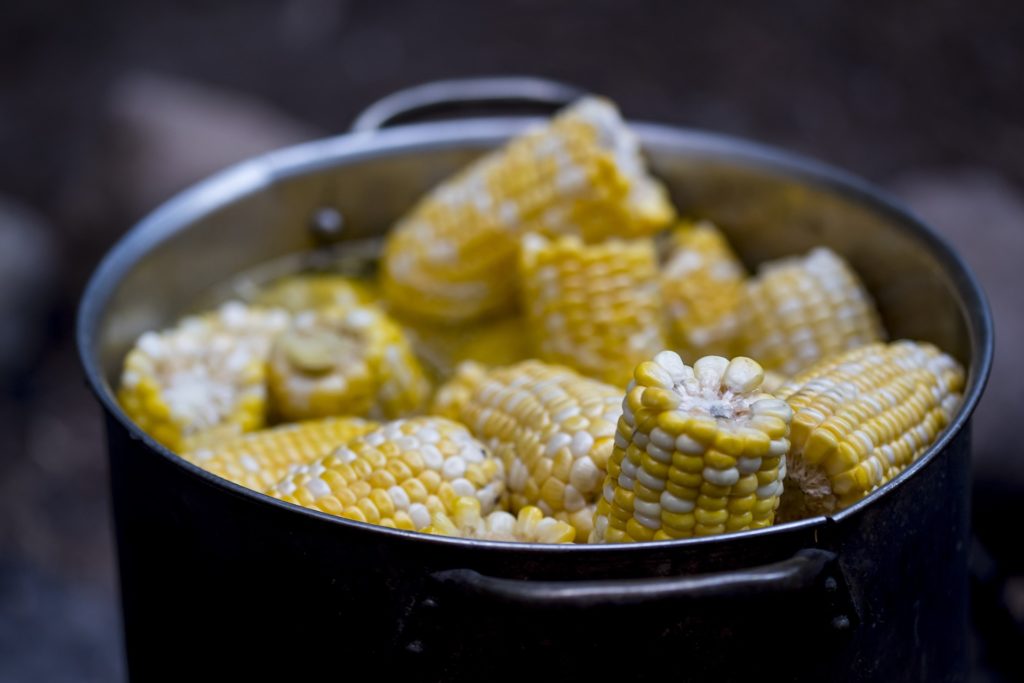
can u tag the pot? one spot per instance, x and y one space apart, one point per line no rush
218 579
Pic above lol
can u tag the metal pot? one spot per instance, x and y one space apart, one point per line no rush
218 578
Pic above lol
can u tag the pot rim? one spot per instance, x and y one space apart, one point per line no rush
260 172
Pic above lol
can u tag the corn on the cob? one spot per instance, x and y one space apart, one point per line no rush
260 459
202 379
451 257
801 309
315 291
698 451
702 285
529 526
595 308
345 361
861 418
398 475
551 427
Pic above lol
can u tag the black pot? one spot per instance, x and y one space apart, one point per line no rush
220 579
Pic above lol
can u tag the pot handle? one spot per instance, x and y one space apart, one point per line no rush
460 93
811 569
723 625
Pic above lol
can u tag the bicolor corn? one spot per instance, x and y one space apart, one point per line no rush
260 459
702 283
698 451
529 526
801 309
398 475
861 418
581 174
202 379
596 308
345 361
551 428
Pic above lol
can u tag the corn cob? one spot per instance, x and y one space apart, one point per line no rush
702 285
551 427
398 475
260 459
801 309
529 526
861 418
314 292
345 361
698 451
595 308
582 173
202 379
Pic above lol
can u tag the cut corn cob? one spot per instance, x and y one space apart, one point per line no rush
551 427
801 309
529 526
260 459
773 381
595 308
451 257
202 379
698 451
398 475
702 285
861 418
315 291
345 361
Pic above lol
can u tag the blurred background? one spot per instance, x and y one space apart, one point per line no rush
106 109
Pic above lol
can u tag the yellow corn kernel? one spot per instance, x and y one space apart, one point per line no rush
315 291
801 309
702 284
595 308
440 462
541 421
451 257
345 361
695 460
860 418
529 526
259 459
203 379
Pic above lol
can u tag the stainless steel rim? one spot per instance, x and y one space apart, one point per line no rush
260 172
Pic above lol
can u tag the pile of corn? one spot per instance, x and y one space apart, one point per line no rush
550 357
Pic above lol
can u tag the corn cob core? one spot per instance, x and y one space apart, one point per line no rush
529 526
596 308
698 451
345 361
315 291
582 173
861 418
398 475
260 459
551 427
202 379
702 284
801 309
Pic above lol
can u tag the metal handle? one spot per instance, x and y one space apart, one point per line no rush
807 569
455 94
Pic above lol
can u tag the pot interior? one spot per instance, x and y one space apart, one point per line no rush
769 203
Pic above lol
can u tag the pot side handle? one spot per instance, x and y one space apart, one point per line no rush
462 93
809 570
723 626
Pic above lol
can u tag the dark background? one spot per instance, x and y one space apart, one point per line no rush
107 109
